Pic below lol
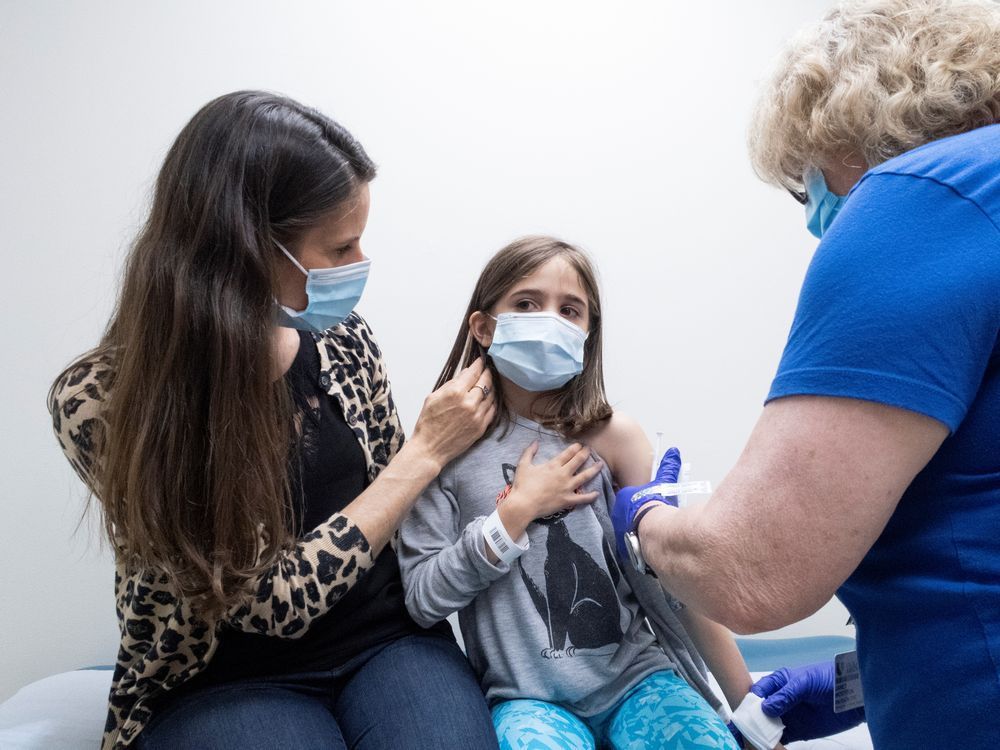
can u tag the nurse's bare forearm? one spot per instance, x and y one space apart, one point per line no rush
706 567
815 486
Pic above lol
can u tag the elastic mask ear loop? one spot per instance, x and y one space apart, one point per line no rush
496 321
291 258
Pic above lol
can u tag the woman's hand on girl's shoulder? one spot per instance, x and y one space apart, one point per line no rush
456 415
622 443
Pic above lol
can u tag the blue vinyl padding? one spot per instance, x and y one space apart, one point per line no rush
768 654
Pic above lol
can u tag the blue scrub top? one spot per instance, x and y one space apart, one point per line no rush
901 305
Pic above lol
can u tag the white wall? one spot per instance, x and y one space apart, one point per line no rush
619 126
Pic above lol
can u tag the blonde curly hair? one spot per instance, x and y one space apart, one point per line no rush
877 78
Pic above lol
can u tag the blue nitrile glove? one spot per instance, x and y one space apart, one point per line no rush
624 510
802 698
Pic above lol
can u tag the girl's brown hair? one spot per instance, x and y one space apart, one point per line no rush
580 404
192 467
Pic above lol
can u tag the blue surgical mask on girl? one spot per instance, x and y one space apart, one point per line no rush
823 206
332 294
538 351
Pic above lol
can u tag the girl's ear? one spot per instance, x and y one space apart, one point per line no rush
481 327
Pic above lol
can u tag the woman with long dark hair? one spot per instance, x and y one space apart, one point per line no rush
236 425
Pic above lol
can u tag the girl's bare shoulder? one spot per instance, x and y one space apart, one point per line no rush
622 443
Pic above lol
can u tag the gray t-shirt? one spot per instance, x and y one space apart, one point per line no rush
561 623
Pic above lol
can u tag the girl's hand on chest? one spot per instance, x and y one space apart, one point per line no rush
542 489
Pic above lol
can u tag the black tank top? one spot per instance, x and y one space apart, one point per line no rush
328 471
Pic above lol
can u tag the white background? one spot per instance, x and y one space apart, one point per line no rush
618 126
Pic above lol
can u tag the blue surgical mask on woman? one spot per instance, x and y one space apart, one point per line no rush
538 351
822 206
332 294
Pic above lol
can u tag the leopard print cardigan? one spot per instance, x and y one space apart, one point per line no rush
164 643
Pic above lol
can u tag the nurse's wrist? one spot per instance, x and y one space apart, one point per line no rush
640 514
652 510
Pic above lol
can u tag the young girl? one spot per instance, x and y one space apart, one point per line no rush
573 649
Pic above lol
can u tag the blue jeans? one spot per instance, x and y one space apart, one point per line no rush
417 693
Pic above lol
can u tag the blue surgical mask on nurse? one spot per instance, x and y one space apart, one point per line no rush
332 293
538 351
822 205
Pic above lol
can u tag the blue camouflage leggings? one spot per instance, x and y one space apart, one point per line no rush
660 713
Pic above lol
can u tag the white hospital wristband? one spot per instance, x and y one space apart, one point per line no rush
499 540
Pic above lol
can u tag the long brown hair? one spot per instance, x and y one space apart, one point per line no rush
193 466
581 403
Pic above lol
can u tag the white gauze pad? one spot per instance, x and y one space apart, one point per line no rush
760 730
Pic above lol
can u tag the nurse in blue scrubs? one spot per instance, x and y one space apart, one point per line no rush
874 470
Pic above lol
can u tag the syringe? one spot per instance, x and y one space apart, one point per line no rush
668 489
